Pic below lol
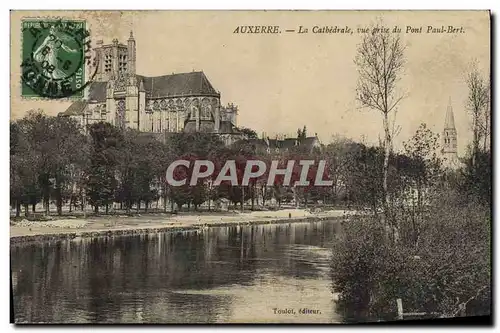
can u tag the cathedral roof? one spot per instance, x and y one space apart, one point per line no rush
182 84
449 122
75 109
173 85
97 92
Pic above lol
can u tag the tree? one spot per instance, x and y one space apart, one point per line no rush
69 154
248 133
421 172
380 60
104 157
478 106
475 180
24 188
142 163
337 154
46 152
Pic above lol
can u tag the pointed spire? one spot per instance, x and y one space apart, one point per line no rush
449 122
141 85
131 35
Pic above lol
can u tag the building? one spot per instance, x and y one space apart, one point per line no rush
282 143
166 103
449 149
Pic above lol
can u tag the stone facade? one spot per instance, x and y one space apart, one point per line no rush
168 103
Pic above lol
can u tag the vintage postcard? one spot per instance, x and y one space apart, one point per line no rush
250 166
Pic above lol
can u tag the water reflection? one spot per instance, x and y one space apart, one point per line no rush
226 274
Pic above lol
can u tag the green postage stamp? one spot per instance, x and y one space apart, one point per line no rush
54 53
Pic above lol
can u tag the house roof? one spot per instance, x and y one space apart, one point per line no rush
182 84
274 143
289 143
309 141
258 142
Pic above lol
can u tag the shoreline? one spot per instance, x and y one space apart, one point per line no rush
145 225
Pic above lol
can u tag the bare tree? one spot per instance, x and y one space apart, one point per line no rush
380 60
478 106
487 118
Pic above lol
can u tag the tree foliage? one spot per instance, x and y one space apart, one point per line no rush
380 61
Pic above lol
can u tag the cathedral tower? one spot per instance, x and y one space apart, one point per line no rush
449 140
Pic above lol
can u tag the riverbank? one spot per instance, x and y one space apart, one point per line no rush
27 231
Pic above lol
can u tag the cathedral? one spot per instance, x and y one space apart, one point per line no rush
449 140
167 103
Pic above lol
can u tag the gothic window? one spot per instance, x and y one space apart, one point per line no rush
215 106
122 63
120 113
193 112
107 62
206 110
193 109
121 105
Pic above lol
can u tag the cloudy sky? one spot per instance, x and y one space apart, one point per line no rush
284 81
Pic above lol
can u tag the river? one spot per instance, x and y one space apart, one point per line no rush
265 273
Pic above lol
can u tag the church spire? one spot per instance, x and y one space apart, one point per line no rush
449 122
449 140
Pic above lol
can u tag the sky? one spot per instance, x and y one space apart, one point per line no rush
285 81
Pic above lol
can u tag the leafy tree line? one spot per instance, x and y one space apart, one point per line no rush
54 161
